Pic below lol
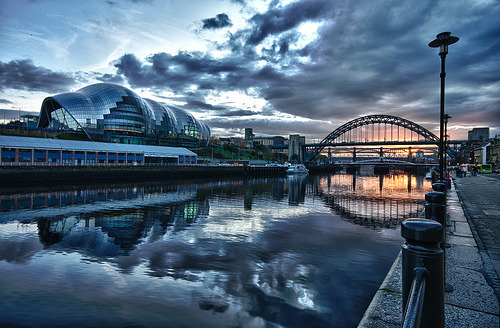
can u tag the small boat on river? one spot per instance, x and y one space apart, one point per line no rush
297 169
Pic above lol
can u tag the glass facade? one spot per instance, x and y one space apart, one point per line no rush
109 112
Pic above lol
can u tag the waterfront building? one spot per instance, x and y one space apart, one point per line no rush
24 151
112 113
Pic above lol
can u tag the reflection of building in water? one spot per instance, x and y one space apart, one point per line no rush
124 228
296 189
125 215
52 232
33 201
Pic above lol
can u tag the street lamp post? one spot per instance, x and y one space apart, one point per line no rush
442 41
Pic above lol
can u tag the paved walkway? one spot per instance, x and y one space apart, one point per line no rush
470 269
480 197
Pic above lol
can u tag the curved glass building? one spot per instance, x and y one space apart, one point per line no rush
110 112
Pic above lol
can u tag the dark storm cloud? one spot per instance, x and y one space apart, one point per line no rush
110 78
238 113
198 104
366 58
5 101
277 20
241 2
217 22
374 60
24 75
178 72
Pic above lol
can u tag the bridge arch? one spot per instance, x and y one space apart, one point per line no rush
370 120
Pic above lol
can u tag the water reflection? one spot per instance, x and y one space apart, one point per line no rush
355 198
249 253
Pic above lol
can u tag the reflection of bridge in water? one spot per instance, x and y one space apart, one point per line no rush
373 201
373 212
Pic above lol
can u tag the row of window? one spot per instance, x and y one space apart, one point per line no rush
8 155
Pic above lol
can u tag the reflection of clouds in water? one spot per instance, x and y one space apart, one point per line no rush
18 242
294 262
285 276
238 253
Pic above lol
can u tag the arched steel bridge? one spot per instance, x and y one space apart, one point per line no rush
330 140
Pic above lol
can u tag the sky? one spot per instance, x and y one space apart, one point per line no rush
278 66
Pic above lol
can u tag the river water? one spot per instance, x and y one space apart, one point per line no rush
304 251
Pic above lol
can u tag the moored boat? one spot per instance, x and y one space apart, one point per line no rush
297 169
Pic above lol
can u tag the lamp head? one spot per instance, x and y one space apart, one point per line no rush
442 41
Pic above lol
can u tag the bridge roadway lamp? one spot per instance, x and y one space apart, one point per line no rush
442 41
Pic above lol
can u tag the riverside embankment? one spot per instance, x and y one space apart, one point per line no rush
35 175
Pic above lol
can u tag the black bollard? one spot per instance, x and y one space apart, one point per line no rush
435 209
439 186
421 252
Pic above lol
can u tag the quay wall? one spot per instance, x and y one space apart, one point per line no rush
36 175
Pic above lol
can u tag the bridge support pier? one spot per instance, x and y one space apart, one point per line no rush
354 154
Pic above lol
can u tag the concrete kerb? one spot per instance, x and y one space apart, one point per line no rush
472 304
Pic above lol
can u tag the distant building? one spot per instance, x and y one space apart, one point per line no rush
264 141
482 153
479 134
249 134
495 151
31 121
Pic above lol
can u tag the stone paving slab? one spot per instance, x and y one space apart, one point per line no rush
471 291
460 317
463 256
461 229
460 240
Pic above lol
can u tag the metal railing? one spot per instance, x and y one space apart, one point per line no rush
415 303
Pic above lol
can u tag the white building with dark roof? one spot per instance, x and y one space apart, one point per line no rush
17 151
